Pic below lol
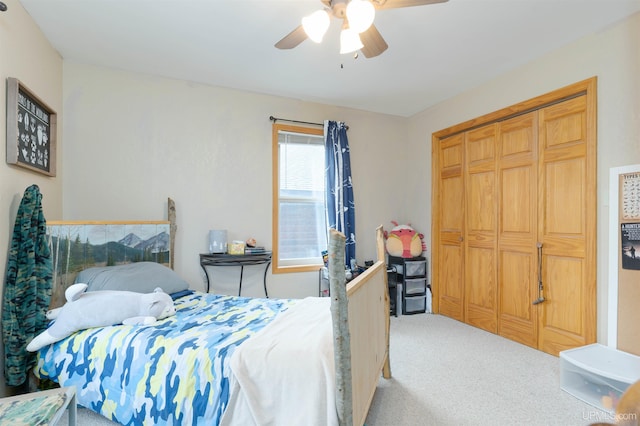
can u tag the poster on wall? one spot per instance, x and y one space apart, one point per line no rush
630 196
31 130
630 233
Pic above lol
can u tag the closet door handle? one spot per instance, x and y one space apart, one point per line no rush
540 298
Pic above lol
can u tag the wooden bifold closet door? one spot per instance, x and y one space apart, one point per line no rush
514 224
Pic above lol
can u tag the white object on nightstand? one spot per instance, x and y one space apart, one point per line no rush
43 408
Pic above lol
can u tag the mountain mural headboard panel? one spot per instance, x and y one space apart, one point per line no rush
76 246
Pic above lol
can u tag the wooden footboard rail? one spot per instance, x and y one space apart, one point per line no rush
367 337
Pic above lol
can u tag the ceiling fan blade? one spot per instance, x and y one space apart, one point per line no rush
373 42
292 39
395 4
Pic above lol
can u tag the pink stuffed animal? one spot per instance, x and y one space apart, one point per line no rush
404 241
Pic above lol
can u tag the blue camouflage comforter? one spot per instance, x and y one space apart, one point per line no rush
171 373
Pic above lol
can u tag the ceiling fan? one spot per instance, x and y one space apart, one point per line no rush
358 31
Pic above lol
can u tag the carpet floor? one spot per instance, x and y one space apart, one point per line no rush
445 372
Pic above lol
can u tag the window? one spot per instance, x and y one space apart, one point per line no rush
299 223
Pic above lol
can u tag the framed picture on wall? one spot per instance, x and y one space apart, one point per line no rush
31 130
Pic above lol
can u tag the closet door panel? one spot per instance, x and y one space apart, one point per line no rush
564 187
450 280
518 211
517 318
567 226
451 204
449 270
480 301
481 202
563 312
480 290
517 206
451 248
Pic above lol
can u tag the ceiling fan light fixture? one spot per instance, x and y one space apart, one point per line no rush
316 25
360 14
350 41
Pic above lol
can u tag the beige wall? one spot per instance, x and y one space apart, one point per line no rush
26 55
614 57
133 140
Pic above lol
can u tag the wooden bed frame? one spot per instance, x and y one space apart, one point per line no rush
364 303
360 317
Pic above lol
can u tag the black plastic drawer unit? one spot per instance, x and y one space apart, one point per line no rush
415 286
414 305
415 268
412 276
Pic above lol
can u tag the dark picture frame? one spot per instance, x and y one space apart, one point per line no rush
31 130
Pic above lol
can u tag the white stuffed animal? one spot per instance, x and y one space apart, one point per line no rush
100 309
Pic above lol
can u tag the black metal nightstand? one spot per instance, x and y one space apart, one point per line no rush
241 260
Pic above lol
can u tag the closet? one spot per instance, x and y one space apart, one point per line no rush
514 220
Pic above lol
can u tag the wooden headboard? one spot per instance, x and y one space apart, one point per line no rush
78 245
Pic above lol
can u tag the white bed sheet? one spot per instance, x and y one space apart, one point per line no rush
285 374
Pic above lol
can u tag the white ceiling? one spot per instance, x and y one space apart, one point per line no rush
435 51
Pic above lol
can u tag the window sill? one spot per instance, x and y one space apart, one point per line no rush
294 268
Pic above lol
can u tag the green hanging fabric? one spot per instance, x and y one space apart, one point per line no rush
27 287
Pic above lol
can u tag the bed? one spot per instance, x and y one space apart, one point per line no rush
222 359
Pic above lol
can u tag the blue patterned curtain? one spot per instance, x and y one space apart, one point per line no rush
341 213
